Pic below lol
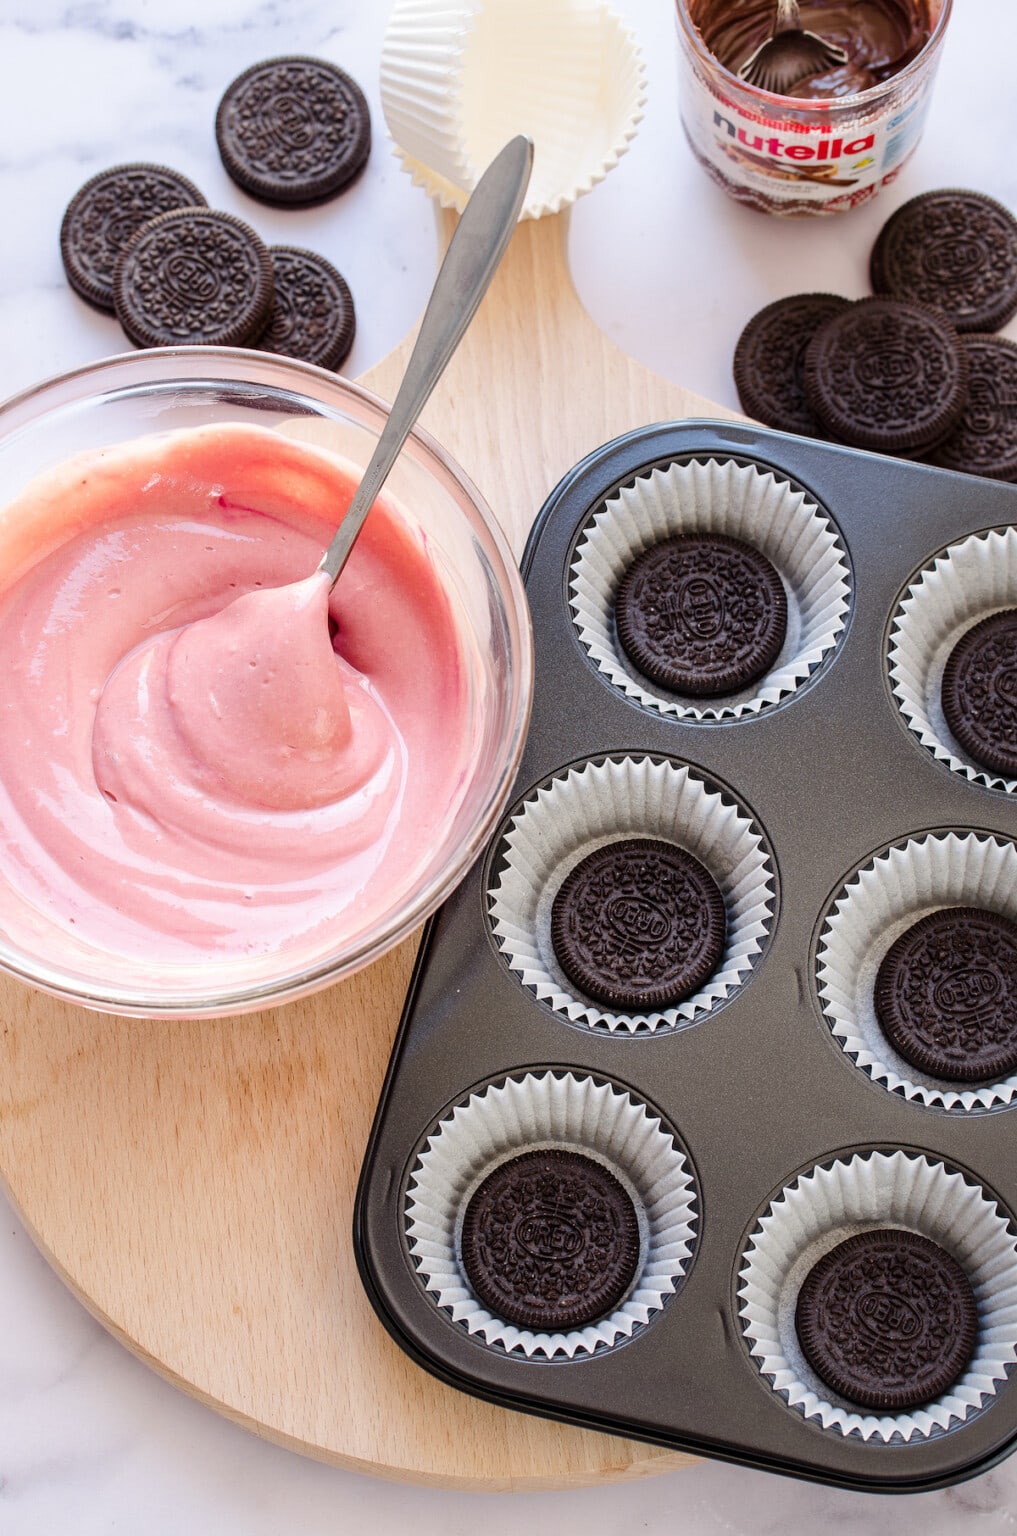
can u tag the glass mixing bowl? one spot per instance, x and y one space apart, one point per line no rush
123 398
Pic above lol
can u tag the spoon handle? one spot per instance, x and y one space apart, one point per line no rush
476 248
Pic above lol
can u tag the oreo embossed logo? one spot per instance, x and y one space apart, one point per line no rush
701 608
953 261
887 366
288 122
547 1235
967 991
190 276
636 919
887 1316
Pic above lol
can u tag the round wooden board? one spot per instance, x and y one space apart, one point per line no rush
193 1181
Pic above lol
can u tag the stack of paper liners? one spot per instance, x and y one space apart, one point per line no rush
459 80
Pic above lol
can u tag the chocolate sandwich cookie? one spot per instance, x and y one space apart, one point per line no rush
887 1319
312 315
701 614
550 1241
985 440
638 924
769 360
955 250
887 375
105 213
946 995
979 692
293 130
193 277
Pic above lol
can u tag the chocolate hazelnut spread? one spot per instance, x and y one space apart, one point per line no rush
879 37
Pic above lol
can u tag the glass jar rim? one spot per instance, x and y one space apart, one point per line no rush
869 97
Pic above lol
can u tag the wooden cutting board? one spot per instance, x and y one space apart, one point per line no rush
193 1181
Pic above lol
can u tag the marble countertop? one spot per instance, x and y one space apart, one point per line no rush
90 1440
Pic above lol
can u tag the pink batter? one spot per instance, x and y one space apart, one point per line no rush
188 768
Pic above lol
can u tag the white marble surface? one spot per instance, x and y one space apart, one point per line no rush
90 1440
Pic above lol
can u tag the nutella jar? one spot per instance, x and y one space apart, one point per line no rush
841 134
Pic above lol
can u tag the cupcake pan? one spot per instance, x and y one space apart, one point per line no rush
827 818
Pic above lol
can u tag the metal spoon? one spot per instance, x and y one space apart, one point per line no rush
789 55
476 248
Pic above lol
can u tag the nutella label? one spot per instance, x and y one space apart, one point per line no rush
840 161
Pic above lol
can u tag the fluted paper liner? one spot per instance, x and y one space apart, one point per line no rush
459 80
872 910
831 1203
716 497
531 1112
600 802
964 585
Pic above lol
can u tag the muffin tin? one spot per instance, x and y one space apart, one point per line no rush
760 1122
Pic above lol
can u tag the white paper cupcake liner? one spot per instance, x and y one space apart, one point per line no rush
829 1204
872 910
965 584
532 1112
459 80
717 497
599 802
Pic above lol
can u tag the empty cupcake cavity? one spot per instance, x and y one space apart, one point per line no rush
830 1203
459 80
714 496
601 802
870 912
531 1112
966 583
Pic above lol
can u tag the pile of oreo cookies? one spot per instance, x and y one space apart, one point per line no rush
915 370
140 241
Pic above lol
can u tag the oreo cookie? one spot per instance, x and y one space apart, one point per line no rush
193 277
638 924
105 213
887 1319
954 250
293 131
946 995
985 441
769 360
979 692
701 614
550 1241
312 315
887 375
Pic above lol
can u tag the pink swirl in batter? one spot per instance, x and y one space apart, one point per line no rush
190 766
